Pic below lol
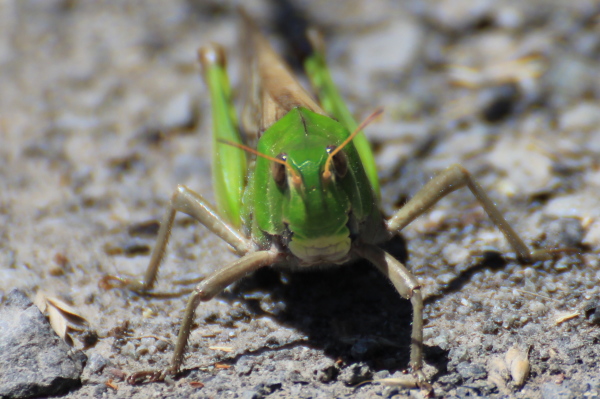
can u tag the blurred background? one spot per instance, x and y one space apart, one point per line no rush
103 113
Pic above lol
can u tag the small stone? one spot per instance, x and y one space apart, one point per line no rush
100 390
179 112
489 327
500 102
458 355
296 376
355 374
550 390
252 395
381 375
141 351
269 386
441 340
34 361
271 306
129 350
390 391
563 264
96 363
458 15
244 366
583 116
326 370
364 348
147 228
565 232
469 370
592 311
450 379
274 383
161 345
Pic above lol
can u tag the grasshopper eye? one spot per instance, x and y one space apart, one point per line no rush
278 171
339 162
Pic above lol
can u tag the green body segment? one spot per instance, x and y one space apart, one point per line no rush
229 166
331 101
317 219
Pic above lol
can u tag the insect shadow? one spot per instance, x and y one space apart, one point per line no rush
351 312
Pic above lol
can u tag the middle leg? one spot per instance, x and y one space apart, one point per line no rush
452 179
186 201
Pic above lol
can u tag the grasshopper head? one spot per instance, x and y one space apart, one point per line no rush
293 196
310 188
315 209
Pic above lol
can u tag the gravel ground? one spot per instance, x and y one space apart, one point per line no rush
102 114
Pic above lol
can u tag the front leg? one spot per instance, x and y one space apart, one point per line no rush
452 179
408 287
212 286
206 290
193 204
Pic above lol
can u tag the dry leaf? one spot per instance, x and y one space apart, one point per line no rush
407 381
221 348
40 301
59 324
62 316
565 317
111 384
498 373
518 364
67 310
196 384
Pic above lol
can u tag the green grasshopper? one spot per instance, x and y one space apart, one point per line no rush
312 198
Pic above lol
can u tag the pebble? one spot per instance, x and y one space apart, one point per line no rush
469 370
178 112
592 311
326 370
96 363
296 376
564 232
364 348
161 345
269 386
458 355
244 365
252 395
34 361
566 390
458 14
355 374
585 116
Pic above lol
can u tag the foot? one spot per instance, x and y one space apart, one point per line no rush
109 282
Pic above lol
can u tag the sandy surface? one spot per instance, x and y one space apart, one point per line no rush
102 114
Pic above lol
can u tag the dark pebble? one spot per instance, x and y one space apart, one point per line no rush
469 370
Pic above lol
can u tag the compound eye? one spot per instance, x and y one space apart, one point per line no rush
339 162
278 171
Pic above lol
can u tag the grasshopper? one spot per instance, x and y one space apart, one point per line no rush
310 198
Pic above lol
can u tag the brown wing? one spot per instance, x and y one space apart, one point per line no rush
272 84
